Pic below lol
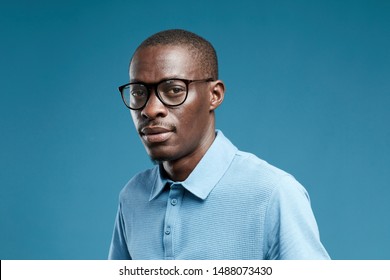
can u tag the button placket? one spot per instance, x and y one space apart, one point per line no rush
173 204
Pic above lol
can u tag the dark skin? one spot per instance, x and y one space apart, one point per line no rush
177 137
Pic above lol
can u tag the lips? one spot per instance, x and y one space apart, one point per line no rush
156 134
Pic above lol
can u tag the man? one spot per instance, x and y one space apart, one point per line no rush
204 199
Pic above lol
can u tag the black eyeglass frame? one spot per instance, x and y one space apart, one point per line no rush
154 86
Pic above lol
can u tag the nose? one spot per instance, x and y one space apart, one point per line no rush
154 108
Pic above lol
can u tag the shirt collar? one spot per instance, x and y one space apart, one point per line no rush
207 173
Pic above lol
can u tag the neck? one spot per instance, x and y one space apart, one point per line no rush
180 169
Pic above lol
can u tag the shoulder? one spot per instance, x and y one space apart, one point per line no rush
251 162
247 167
139 184
263 180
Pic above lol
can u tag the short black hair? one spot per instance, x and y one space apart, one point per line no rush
201 49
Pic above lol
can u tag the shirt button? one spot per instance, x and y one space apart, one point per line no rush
174 201
167 232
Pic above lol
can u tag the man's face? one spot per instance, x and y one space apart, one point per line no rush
172 133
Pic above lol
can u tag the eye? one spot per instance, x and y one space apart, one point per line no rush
137 93
173 88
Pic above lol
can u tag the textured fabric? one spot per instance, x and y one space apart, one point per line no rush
232 206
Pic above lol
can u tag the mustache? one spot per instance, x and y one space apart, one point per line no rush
168 126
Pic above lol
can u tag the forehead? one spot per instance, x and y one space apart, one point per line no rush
154 63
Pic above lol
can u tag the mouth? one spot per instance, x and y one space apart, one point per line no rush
156 134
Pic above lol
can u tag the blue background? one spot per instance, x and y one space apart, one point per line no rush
308 90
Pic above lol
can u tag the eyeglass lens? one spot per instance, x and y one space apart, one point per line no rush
170 92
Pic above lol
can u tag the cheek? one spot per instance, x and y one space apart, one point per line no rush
135 116
194 116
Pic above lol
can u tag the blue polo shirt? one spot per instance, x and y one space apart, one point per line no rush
232 206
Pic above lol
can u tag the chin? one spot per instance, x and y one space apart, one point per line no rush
161 154
157 158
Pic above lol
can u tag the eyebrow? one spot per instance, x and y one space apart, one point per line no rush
164 79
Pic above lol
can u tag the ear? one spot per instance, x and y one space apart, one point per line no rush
217 93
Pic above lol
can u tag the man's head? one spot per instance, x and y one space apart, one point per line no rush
184 132
200 49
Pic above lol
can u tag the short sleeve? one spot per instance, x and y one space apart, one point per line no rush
291 231
118 248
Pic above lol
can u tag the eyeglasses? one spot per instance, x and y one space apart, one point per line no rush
171 92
